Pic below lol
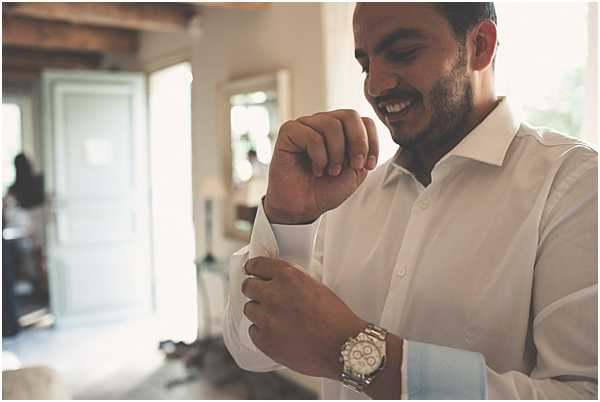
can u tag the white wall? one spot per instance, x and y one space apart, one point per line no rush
234 44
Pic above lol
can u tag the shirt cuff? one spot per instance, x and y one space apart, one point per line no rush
296 242
262 244
262 241
438 372
292 243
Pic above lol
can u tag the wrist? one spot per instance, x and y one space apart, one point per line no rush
388 384
280 216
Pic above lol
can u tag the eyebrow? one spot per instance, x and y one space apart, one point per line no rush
389 39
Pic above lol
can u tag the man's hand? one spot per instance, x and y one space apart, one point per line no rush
318 162
297 321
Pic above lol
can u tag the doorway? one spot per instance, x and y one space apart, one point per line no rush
25 280
171 196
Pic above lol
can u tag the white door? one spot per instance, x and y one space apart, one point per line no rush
96 167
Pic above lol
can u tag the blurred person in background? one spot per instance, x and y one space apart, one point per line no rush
23 211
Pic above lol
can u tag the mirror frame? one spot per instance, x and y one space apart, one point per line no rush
280 82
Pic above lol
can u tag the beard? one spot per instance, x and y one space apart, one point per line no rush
451 104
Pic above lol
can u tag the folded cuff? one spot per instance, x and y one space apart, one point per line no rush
438 372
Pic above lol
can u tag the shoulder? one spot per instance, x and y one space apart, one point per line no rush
568 165
552 146
540 153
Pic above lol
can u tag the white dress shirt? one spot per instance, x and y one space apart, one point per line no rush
498 256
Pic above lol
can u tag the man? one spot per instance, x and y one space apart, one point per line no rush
465 267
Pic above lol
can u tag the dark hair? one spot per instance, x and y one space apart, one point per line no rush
28 188
463 16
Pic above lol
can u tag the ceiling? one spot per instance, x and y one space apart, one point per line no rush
79 35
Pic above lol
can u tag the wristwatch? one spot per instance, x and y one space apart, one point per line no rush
363 357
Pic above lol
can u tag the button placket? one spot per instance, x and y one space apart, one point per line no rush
398 292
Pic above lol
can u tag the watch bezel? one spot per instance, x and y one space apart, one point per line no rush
355 380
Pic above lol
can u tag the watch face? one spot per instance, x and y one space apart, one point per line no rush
364 357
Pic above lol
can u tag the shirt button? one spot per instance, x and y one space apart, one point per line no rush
402 272
424 204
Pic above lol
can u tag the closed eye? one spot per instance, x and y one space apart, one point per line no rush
403 56
397 57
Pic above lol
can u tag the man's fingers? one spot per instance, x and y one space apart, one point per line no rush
254 312
302 138
333 131
254 288
328 137
254 333
263 267
373 143
357 142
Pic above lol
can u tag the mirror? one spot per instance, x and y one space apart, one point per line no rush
254 108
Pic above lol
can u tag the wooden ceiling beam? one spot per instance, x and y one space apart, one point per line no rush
25 60
39 34
158 17
240 5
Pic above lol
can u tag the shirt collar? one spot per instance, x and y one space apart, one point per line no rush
486 143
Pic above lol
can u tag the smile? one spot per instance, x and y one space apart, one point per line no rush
394 109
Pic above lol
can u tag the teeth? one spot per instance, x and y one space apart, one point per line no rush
397 107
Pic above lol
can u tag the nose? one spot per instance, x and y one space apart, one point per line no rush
379 81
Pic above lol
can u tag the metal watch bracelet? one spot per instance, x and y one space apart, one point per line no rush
359 383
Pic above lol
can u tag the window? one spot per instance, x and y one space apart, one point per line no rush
12 141
541 62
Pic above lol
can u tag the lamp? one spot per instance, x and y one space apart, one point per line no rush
211 188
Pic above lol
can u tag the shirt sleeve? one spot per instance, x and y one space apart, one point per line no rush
564 310
293 243
565 293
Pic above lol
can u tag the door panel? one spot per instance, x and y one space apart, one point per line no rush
96 163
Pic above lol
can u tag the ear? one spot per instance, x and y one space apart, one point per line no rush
483 39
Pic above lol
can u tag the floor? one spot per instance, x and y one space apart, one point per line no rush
123 353
122 361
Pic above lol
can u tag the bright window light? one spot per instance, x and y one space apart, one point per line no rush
172 216
541 62
11 141
250 129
